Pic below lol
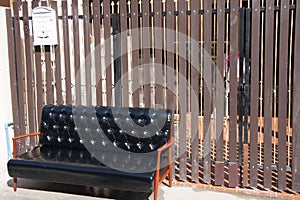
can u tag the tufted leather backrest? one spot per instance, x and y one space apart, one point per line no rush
139 130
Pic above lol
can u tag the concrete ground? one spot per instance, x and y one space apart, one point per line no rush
35 190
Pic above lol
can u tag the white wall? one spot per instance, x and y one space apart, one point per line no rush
5 95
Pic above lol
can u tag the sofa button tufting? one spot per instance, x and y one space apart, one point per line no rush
104 143
98 130
127 145
71 140
116 143
151 146
140 145
59 139
49 138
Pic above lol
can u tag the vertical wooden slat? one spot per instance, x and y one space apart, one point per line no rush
67 53
234 26
219 168
158 45
59 99
255 63
282 101
12 72
170 39
20 70
49 86
135 52
87 50
170 64
246 98
97 52
296 105
38 79
108 65
268 82
76 51
146 53
207 91
124 53
195 69
240 87
29 73
182 87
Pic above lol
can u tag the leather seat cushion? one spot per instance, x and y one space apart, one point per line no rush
122 171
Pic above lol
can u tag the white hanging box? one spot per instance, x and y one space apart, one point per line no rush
44 26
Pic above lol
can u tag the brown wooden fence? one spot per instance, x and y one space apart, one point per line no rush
229 69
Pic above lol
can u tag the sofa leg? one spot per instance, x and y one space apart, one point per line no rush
15 184
155 189
155 194
170 178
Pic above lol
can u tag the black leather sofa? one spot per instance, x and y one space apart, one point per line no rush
116 148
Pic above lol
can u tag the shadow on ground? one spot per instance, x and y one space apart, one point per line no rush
79 190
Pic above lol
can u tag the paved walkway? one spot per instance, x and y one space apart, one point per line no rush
35 190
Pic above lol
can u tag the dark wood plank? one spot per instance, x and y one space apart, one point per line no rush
182 87
124 53
195 74
67 52
108 65
38 74
170 39
246 99
135 53
29 73
58 80
97 52
207 91
296 106
219 171
12 72
268 92
283 92
234 29
146 42
240 88
255 65
87 51
49 86
76 51
158 45
20 71
49 78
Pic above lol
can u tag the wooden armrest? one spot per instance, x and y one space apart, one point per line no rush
26 135
169 144
166 146
158 178
20 137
